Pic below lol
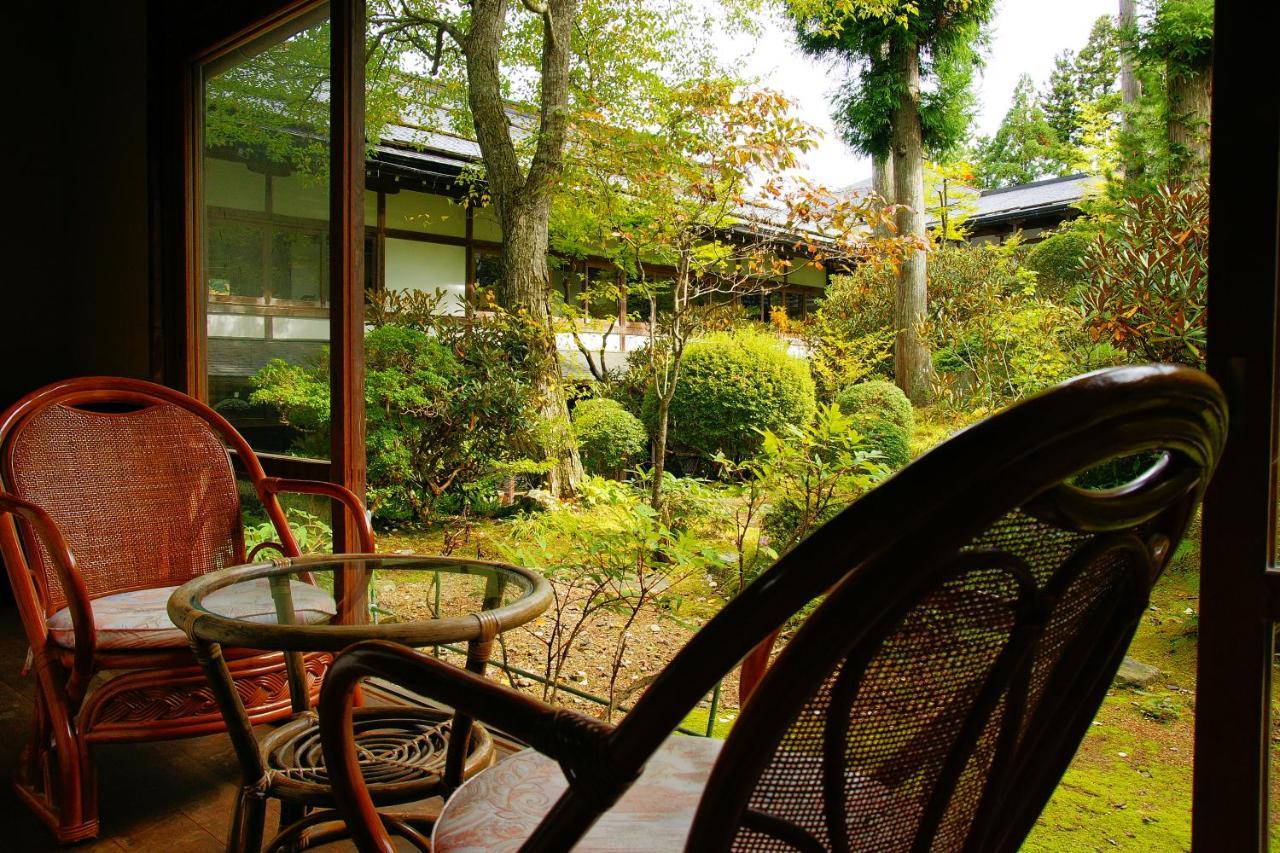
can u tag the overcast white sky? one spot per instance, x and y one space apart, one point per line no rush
1027 35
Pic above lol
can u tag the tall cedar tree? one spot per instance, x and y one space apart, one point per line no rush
1179 36
1025 147
908 92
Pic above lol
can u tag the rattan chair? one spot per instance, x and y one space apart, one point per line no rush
976 608
121 491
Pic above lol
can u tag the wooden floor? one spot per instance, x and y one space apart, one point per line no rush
170 797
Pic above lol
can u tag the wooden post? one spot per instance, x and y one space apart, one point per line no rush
346 254
1239 592
469 288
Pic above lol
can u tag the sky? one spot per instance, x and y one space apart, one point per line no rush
1026 36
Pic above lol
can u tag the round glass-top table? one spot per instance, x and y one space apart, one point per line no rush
322 604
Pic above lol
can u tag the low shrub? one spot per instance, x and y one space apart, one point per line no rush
732 387
609 437
880 399
1058 262
890 440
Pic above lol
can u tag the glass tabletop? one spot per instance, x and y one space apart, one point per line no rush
328 601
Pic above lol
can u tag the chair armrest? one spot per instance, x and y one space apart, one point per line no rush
578 742
276 485
64 563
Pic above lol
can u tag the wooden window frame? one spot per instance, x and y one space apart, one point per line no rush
185 38
1239 587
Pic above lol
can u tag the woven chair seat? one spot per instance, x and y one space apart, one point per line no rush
138 619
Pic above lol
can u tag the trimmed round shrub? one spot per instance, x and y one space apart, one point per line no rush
1057 260
609 437
891 440
731 387
879 399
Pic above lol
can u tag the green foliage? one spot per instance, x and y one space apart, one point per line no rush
802 476
732 387
879 399
1088 78
1058 262
446 403
609 437
889 441
1025 147
1147 277
611 558
313 534
872 36
843 347
1179 33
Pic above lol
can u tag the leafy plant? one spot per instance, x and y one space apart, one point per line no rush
887 440
1148 277
609 561
802 476
609 437
447 402
1058 262
313 534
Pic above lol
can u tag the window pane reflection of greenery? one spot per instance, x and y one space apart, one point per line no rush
235 260
298 265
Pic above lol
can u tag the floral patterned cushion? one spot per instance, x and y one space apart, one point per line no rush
497 809
138 619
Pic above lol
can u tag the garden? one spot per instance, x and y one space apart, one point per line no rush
652 492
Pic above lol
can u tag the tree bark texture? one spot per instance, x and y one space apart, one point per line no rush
912 364
1190 93
523 197
1130 86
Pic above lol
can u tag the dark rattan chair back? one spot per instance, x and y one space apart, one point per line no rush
936 697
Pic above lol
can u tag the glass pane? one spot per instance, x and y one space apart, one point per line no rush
265 258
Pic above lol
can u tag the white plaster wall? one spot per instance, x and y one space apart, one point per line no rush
300 328
302 196
231 184
428 266
237 326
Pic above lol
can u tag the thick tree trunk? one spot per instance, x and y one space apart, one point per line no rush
882 184
523 198
912 364
1190 93
526 286
1130 86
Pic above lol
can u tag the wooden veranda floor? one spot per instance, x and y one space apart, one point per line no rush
169 797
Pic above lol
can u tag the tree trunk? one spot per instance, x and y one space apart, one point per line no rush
1130 86
659 452
882 184
912 364
523 200
527 286
1190 92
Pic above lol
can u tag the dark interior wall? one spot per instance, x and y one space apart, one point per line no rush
76 291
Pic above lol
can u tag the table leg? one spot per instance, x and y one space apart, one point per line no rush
247 821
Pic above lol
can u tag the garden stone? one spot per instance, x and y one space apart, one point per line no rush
1136 674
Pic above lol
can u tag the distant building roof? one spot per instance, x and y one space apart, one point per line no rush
1051 195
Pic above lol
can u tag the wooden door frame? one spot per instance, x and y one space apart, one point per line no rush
1238 582
185 37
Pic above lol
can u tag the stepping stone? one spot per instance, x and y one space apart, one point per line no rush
1136 674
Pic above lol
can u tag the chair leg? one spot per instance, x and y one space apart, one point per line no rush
248 821
56 776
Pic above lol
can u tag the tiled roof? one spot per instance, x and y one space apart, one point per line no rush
1050 194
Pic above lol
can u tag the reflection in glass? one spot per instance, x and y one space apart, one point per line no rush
265 245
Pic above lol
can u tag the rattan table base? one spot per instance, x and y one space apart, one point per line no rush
402 755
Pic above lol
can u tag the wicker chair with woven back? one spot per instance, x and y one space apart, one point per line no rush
974 610
114 492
